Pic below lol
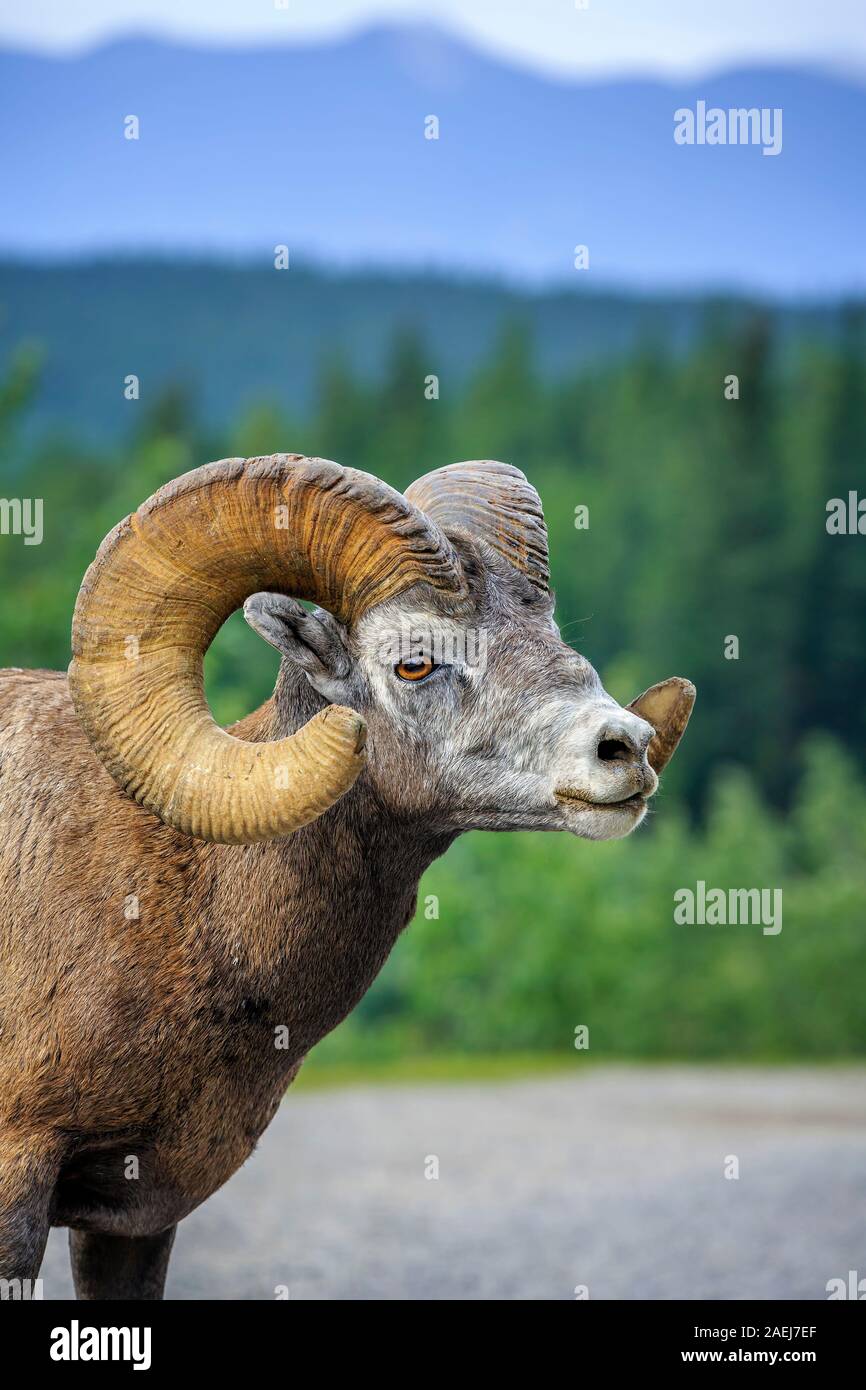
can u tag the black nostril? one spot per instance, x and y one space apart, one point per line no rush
614 750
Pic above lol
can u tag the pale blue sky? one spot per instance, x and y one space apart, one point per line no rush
608 37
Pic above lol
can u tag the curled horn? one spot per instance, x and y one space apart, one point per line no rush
162 584
667 706
493 501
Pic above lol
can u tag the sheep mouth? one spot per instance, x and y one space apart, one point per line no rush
581 802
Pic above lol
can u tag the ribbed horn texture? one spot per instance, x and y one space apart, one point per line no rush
165 580
493 501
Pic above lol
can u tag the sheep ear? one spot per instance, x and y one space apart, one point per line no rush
314 641
667 707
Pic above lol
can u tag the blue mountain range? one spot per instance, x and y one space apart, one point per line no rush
322 148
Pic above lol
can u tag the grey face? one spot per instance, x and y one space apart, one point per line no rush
484 719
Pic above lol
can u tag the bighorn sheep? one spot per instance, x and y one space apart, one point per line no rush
272 867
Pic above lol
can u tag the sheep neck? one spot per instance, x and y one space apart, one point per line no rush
321 909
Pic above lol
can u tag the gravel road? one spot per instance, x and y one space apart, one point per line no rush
610 1178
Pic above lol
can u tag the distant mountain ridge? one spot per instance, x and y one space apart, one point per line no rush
321 147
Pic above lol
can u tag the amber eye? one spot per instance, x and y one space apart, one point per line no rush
414 668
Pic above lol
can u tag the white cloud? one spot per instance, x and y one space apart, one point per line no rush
607 38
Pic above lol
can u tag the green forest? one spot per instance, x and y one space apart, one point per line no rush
706 521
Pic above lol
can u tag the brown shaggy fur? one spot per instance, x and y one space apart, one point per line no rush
155 1038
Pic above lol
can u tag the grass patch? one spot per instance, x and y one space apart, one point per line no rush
323 1074
446 1067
